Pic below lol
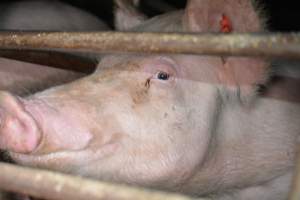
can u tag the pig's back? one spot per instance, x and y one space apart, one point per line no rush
23 78
47 15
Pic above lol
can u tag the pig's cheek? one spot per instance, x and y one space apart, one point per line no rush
164 84
161 89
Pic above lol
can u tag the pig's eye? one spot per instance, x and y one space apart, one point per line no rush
164 76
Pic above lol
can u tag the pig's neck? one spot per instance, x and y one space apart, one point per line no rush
253 145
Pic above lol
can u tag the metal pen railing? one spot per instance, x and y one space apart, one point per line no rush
266 45
56 186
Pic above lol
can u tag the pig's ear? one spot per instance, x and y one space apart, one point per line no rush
127 15
241 75
212 16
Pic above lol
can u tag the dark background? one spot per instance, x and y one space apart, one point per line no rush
283 15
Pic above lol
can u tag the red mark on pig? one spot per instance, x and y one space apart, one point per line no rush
226 26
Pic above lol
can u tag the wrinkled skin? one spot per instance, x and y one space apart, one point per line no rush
190 124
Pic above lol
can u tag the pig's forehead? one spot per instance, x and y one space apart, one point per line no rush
132 62
170 22
120 60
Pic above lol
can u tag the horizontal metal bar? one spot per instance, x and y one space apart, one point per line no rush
265 45
50 185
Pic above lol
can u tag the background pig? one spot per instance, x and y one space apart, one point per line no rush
47 15
127 14
191 124
24 78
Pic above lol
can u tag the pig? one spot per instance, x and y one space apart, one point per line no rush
22 78
47 16
127 15
197 125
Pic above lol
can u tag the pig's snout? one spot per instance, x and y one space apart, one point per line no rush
19 132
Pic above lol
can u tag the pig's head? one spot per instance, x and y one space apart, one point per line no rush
138 119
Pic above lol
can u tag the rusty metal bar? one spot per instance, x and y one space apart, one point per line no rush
295 189
3 196
266 45
49 185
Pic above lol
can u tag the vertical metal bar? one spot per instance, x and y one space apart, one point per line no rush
295 189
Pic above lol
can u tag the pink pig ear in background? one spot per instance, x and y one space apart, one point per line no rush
206 15
127 15
230 16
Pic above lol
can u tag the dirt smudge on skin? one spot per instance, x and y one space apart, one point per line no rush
140 95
